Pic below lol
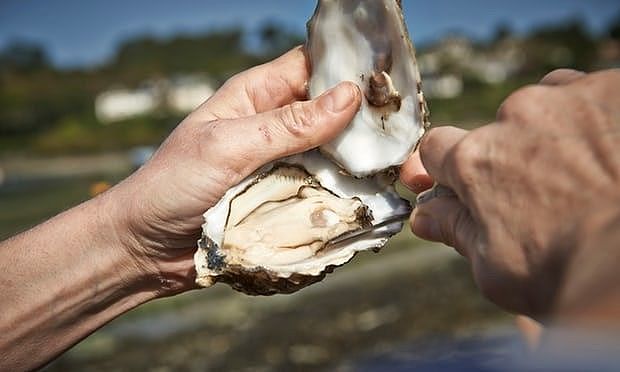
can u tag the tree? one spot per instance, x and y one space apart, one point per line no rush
569 40
217 53
276 39
23 56
614 28
503 31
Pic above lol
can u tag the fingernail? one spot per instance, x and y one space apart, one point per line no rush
425 197
339 98
438 191
426 227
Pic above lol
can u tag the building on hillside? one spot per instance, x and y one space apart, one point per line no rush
186 93
458 56
442 86
122 104
180 95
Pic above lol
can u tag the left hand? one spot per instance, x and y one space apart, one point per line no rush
256 117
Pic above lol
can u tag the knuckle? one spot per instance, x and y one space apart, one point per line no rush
460 221
431 141
465 163
448 231
521 103
462 158
298 119
274 84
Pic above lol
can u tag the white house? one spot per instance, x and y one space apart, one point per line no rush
185 94
443 86
121 104
182 95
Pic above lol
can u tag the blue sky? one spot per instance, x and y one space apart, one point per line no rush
81 32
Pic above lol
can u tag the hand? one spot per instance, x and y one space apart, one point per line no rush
256 117
537 200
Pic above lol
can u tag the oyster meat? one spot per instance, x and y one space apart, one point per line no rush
271 233
366 42
279 230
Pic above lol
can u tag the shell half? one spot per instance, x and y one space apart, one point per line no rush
366 42
271 233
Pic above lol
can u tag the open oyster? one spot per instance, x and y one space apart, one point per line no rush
277 231
366 41
272 233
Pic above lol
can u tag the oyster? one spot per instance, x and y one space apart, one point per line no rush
279 230
271 233
366 41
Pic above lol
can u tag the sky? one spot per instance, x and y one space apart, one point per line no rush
86 32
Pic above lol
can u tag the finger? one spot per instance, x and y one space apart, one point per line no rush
562 77
414 176
446 220
253 141
280 82
434 150
262 88
531 331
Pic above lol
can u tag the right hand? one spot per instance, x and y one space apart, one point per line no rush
537 204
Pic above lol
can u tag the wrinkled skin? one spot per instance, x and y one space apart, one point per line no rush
256 117
537 204
65 278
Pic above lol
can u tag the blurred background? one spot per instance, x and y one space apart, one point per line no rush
88 89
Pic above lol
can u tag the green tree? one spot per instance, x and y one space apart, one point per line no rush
276 39
568 44
22 56
218 53
502 32
614 28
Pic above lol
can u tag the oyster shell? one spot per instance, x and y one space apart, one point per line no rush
366 41
276 232
271 233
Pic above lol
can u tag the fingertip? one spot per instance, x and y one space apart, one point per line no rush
414 176
446 220
424 226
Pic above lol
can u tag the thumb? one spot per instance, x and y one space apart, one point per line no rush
446 220
253 141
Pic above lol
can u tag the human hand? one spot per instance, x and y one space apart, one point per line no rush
536 209
256 117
